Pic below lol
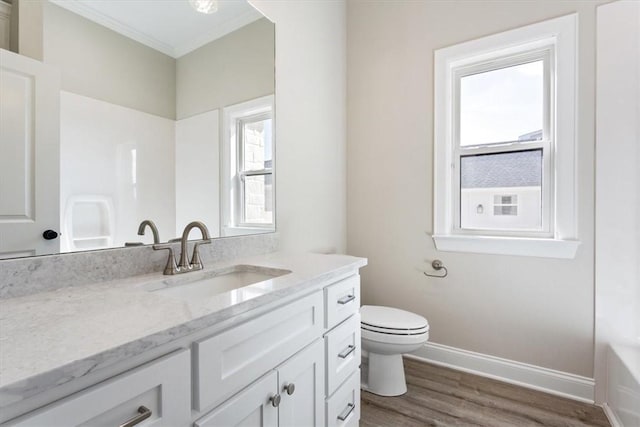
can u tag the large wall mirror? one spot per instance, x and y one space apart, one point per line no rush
166 113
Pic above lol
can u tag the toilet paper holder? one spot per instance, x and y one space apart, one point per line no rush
437 265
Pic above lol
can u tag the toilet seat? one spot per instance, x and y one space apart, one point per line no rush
390 331
392 320
392 325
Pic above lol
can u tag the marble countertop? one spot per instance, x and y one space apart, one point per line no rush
51 338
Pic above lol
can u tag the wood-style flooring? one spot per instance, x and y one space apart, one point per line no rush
440 396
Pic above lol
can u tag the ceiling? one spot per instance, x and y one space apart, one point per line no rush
172 27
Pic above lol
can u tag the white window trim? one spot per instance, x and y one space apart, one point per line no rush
561 238
230 190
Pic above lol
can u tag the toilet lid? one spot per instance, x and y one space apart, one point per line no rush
391 319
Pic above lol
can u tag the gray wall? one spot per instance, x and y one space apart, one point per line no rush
235 68
102 64
532 310
105 65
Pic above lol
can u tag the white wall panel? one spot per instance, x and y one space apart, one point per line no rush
198 171
123 156
618 194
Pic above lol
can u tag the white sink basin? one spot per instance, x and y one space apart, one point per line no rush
202 287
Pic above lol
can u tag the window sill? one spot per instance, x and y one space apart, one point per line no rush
519 246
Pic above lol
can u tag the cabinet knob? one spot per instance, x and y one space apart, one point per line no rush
50 235
290 388
275 400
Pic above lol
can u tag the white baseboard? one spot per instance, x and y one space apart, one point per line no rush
611 416
548 380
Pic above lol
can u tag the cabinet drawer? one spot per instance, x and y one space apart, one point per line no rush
226 363
343 408
343 352
161 387
342 299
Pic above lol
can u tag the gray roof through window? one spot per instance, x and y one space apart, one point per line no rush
516 169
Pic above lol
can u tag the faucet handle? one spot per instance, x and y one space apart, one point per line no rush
195 258
171 267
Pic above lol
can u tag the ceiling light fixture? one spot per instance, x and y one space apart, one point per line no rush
204 6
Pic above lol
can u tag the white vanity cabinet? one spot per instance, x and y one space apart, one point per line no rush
318 386
155 394
296 365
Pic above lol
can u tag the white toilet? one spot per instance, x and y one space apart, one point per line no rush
387 334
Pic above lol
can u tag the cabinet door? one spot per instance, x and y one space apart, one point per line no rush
251 407
303 377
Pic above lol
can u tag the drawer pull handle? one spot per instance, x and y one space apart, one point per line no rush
143 414
290 388
346 352
347 411
346 299
275 400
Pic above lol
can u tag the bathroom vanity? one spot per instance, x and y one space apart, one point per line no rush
268 340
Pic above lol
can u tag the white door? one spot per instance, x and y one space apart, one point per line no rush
29 156
302 388
252 407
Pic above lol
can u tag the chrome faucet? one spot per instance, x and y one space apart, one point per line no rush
185 265
152 226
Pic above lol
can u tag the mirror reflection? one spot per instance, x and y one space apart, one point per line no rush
165 116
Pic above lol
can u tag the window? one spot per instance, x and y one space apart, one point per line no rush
504 142
502 139
255 169
248 167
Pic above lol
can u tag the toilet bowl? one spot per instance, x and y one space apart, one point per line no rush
387 334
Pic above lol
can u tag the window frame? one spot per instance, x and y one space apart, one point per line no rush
556 38
232 212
